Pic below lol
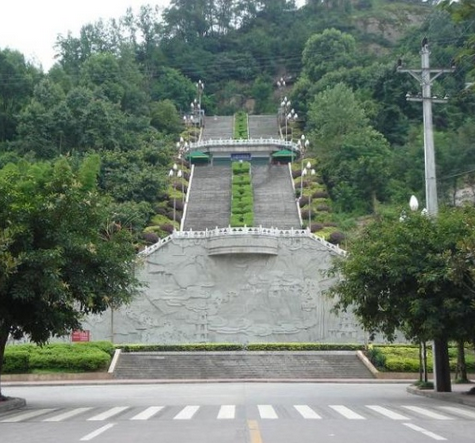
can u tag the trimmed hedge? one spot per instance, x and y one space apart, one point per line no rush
76 357
16 361
242 205
405 358
203 347
241 168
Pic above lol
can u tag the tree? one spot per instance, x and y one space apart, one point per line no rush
412 276
16 87
61 254
315 57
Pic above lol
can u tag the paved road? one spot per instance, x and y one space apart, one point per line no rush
233 413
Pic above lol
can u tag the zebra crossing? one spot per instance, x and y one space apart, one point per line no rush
232 412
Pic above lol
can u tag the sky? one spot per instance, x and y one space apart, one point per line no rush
31 26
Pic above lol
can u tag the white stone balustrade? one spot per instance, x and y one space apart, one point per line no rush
243 231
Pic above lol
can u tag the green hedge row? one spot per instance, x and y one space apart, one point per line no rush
240 125
76 357
242 205
241 168
397 358
200 347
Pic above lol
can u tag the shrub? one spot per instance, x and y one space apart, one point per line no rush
323 208
399 364
241 167
16 361
303 201
167 227
150 238
92 359
314 227
336 237
320 194
76 357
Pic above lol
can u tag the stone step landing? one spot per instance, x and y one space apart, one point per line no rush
241 365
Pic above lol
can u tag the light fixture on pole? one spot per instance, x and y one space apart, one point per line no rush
291 117
302 174
281 86
285 107
312 172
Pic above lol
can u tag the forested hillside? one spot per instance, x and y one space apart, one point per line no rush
120 89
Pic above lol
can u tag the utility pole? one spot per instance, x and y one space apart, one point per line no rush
426 76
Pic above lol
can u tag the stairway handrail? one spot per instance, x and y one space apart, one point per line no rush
244 142
233 231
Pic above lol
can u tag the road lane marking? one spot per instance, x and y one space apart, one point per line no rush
148 413
98 432
68 414
458 411
307 412
108 414
267 412
424 431
427 413
227 412
387 412
347 412
254 431
27 415
186 413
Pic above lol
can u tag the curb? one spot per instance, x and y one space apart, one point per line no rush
453 397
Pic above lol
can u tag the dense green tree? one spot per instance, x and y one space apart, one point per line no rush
412 276
16 88
62 256
327 52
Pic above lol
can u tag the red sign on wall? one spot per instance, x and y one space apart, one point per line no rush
80 335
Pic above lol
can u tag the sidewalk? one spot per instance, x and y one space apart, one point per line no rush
458 394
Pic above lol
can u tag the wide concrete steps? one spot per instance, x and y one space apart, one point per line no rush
209 204
241 365
274 199
218 127
263 126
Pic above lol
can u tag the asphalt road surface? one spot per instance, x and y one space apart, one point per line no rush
233 413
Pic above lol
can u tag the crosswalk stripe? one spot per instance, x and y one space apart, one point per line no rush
458 411
267 412
26 415
68 414
148 413
347 412
97 432
186 413
109 413
387 412
227 412
307 412
427 413
425 432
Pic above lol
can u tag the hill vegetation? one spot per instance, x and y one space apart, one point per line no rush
120 89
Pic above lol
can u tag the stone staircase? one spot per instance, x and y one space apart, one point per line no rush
274 199
241 365
209 204
263 126
218 127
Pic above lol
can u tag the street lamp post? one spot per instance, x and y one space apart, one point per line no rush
291 117
302 174
178 173
280 87
285 106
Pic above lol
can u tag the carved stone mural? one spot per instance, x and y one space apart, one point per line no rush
192 296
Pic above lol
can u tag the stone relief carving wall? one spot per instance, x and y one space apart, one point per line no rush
192 297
